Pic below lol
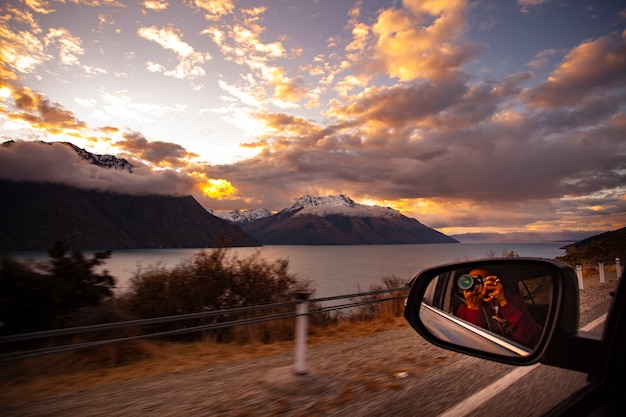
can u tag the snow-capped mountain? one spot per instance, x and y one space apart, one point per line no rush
104 161
242 217
338 220
309 202
337 205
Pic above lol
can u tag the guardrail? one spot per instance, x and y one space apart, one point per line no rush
600 266
301 313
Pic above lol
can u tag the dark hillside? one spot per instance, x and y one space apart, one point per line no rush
290 229
600 248
33 215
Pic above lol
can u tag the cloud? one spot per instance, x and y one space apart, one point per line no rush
526 5
158 153
542 59
594 67
22 16
39 113
39 6
400 104
69 45
214 9
156 5
241 43
424 41
22 51
190 61
58 163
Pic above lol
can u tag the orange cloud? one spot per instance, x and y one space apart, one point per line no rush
410 49
156 5
41 114
214 9
39 6
588 68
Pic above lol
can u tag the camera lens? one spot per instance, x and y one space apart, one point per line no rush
465 282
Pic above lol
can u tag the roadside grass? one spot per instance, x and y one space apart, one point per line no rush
72 371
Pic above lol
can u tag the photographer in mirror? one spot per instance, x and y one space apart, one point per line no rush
489 307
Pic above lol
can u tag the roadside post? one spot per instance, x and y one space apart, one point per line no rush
579 274
302 321
601 268
618 268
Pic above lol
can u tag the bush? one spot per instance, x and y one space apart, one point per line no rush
383 309
215 280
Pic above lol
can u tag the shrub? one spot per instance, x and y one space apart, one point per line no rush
383 309
215 280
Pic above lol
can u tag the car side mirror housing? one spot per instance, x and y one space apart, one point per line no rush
512 310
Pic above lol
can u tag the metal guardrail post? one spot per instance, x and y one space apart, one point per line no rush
579 274
601 268
302 321
618 268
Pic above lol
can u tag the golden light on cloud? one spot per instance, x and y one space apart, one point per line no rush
217 188
412 207
5 93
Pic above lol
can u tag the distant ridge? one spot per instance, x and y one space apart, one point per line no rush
242 217
104 161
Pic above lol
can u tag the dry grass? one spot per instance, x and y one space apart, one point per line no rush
39 377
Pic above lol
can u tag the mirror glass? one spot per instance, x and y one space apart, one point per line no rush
495 308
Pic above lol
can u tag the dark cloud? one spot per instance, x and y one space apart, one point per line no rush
158 153
404 104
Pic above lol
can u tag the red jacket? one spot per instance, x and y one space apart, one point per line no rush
521 326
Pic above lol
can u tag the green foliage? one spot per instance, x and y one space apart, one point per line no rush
34 298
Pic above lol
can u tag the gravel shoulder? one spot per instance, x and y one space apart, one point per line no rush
369 375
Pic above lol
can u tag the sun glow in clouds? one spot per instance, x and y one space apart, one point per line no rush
219 189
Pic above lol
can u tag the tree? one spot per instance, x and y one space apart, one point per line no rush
34 298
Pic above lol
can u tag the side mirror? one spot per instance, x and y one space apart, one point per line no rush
508 310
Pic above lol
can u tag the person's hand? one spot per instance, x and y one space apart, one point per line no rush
474 297
493 291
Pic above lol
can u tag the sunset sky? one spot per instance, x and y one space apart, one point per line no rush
471 116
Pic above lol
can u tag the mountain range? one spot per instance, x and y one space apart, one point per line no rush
34 214
334 220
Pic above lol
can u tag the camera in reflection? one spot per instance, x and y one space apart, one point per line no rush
467 282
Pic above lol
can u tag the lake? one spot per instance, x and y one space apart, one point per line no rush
333 270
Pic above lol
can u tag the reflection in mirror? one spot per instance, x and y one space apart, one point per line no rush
501 308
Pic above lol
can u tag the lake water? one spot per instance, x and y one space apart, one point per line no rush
333 270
